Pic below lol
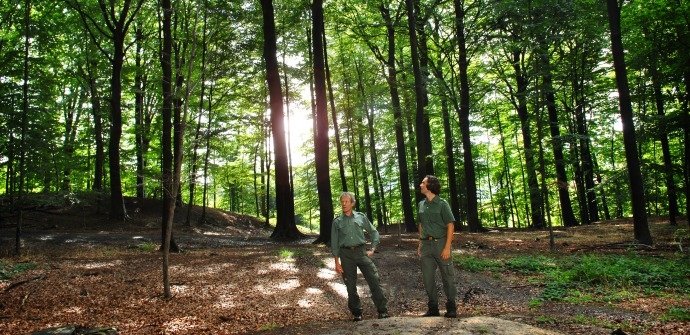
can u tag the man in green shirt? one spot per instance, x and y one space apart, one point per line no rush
349 250
436 228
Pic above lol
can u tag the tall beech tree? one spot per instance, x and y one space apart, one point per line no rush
285 224
464 116
323 180
169 191
425 161
641 227
116 20
532 115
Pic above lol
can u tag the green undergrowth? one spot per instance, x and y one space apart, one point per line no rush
10 270
595 278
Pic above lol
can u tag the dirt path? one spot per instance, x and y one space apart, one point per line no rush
423 326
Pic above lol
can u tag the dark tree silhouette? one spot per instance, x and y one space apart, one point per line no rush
323 180
640 225
286 228
473 223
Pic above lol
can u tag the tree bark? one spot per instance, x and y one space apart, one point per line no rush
473 222
425 162
640 225
404 176
663 138
321 132
168 209
285 229
139 94
567 213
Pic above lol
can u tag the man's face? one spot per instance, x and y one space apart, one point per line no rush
346 204
422 186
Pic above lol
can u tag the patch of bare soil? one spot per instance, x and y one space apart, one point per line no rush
232 279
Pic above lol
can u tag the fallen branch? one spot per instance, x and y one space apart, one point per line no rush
13 285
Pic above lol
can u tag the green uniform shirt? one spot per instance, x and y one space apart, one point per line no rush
348 231
434 216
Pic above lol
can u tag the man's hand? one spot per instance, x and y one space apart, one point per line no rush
445 254
338 267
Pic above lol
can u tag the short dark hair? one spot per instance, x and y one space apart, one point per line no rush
433 184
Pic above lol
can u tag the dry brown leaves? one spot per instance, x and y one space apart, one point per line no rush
245 290
234 291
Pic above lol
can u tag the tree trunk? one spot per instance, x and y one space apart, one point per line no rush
139 94
576 151
425 163
567 213
99 159
197 133
334 117
115 29
285 229
641 227
72 116
117 204
24 126
663 138
535 199
321 132
204 201
379 204
450 161
166 143
404 177
509 182
473 222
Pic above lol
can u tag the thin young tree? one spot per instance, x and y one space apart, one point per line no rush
24 123
168 185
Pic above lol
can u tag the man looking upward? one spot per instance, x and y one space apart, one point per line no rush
436 228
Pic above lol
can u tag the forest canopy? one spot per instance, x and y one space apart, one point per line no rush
514 105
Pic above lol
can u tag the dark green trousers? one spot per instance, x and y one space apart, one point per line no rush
430 260
351 260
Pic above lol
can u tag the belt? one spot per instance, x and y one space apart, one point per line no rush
354 247
430 238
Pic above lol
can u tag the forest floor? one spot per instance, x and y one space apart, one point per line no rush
80 268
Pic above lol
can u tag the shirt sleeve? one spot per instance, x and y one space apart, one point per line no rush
335 243
446 213
373 233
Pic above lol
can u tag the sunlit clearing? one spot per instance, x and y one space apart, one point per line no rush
182 324
325 273
314 290
311 291
282 266
74 310
290 284
305 303
179 289
211 269
98 265
224 301
339 289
